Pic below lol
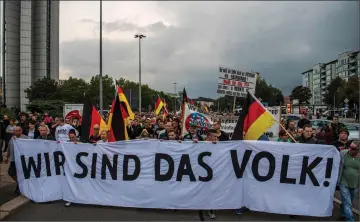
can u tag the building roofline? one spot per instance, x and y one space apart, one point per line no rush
306 71
331 62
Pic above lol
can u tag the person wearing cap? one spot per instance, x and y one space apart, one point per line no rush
193 134
343 142
349 179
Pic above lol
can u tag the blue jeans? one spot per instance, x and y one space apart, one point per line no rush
347 197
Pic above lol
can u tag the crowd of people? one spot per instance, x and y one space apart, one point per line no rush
147 126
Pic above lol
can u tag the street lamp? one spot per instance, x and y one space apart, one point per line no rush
140 36
100 65
175 95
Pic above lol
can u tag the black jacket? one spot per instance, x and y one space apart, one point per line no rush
302 139
48 137
340 145
223 136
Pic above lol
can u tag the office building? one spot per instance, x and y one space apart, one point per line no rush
320 76
29 46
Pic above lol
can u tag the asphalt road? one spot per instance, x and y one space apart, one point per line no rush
56 211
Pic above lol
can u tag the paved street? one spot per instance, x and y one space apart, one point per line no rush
56 211
7 185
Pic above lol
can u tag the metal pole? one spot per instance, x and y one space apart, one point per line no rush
100 76
140 75
175 96
234 106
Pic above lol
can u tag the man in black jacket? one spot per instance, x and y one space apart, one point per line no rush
304 120
307 135
222 136
343 142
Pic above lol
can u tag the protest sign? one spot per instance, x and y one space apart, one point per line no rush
233 82
295 179
274 130
192 116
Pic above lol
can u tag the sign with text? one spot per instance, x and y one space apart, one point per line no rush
233 82
284 178
274 130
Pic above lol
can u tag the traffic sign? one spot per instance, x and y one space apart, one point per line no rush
346 100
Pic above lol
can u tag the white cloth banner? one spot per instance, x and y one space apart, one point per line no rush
295 179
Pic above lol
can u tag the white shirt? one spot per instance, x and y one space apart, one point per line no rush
62 132
101 141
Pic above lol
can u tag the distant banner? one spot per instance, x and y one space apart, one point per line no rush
295 179
228 124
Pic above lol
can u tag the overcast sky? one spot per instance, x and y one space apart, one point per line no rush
187 41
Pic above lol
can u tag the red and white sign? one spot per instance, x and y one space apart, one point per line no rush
72 111
233 82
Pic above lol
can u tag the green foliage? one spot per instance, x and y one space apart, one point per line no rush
5 111
72 90
45 88
352 89
53 107
302 93
45 95
93 90
267 93
336 89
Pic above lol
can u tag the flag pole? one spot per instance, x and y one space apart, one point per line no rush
282 127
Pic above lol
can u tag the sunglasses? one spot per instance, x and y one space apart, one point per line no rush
96 128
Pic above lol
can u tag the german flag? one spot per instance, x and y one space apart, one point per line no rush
123 99
158 105
118 121
166 112
206 108
253 121
90 117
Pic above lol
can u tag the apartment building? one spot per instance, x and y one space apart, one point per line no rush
29 33
320 76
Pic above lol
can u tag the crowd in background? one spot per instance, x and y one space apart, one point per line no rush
148 126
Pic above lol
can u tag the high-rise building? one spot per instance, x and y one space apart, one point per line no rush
29 46
321 75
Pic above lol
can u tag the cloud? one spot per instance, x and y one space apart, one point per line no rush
187 41
124 26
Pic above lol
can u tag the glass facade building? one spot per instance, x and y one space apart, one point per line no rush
29 47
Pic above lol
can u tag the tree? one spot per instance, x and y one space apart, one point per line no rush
53 107
302 93
72 90
352 89
108 90
43 89
267 93
336 89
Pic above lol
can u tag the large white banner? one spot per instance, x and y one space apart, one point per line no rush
296 179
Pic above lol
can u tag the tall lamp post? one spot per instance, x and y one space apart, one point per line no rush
175 95
100 65
140 36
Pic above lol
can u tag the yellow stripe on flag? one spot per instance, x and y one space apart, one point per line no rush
261 124
158 109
